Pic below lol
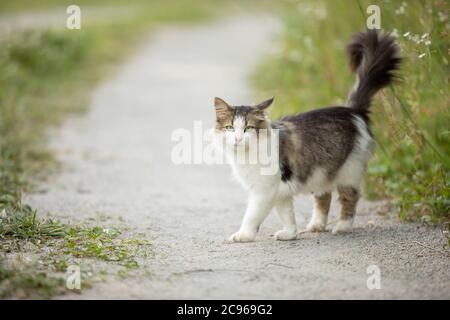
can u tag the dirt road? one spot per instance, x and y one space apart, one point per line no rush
116 160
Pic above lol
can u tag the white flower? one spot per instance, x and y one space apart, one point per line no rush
394 33
422 55
406 34
401 10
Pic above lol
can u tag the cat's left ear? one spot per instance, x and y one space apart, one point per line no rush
264 105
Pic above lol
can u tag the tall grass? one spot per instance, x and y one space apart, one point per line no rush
411 121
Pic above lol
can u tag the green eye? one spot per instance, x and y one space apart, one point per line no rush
249 128
229 128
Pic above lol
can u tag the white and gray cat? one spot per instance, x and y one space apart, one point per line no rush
319 151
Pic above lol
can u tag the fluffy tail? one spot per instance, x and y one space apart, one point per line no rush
375 58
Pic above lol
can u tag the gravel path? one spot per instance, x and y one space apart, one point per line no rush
116 160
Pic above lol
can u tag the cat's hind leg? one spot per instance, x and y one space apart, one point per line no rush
319 217
348 197
285 210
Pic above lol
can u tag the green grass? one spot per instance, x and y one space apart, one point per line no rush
27 283
411 122
52 247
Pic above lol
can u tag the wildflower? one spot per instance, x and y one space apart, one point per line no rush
401 9
422 55
406 34
394 33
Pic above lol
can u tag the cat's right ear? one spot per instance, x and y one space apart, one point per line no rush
221 106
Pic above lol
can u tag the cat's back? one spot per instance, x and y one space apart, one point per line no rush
323 126
322 117
322 138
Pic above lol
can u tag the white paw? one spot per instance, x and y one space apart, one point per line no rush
314 226
343 226
285 235
241 236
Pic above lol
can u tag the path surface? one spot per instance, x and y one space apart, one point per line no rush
116 160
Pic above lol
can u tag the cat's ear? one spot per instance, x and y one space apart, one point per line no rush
264 105
221 106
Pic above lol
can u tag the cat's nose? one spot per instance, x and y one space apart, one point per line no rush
237 139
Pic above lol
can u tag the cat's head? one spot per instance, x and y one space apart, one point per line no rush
240 125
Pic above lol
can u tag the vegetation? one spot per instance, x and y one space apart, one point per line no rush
411 121
38 253
27 283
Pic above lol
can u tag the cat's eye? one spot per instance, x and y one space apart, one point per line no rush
249 128
229 128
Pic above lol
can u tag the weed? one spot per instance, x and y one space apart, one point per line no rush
27 283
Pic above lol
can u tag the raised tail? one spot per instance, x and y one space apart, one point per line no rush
375 58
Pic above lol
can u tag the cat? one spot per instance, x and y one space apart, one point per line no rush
320 151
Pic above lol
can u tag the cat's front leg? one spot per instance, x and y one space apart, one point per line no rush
258 208
285 209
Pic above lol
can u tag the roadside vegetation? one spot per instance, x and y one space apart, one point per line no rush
46 74
411 120
38 254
